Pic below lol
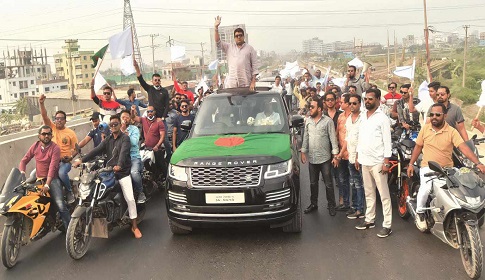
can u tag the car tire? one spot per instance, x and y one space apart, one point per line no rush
296 224
176 229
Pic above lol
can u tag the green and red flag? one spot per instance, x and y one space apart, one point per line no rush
234 145
99 55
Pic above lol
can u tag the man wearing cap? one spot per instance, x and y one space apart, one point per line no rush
97 134
131 101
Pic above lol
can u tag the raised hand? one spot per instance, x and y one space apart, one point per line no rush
42 98
217 22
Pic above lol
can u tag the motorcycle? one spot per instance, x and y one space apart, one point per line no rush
150 183
101 208
402 149
454 207
30 215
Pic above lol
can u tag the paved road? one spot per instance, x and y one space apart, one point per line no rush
328 248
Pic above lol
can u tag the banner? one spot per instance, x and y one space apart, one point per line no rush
126 66
356 62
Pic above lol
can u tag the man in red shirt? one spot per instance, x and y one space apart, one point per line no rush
108 106
47 156
154 134
392 96
183 90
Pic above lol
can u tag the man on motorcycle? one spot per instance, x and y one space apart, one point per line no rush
117 149
136 165
47 156
154 134
436 141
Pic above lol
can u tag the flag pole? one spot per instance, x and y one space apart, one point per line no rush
99 66
479 111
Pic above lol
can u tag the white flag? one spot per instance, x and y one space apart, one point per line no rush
325 79
356 62
126 66
213 65
423 92
406 71
339 82
121 44
202 85
99 82
481 101
177 53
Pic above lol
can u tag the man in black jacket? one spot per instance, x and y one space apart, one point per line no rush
117 149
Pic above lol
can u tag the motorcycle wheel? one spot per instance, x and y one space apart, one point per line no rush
11 243
77 243
471 250
402 196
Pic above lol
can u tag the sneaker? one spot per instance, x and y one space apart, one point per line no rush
365 225
421 222
141 198
350 211
384 232
356 215
310 208
70 198
342 208
332 211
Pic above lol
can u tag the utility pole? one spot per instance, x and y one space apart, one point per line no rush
169 43
395 50
202 61
426 39
388 59
71 75
464 54
153 51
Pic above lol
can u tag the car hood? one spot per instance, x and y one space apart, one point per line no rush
233 150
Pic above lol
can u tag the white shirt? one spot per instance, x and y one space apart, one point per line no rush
352 136
374 138
262 119
276 88
423 107
315 80
288 89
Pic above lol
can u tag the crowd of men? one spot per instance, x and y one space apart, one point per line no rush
348 132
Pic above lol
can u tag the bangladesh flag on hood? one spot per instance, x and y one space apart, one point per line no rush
274 144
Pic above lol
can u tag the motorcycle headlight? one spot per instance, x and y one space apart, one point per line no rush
278 170
177 173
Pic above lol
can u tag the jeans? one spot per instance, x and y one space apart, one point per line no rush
136 169
57 195
160 167
343 181
64 169
357 188
315 170
166 143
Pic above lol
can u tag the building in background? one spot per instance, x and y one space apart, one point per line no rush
74 65
46 87
19 74
226 33
313 45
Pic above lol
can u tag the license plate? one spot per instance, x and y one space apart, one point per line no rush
223 198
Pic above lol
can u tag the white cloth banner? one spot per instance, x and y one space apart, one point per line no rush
481 101
356 62
423 92
213 65
126 66
339 82
121 44
99 82
325 79
406 71
203 85
177 53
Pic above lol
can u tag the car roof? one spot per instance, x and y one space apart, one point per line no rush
244 91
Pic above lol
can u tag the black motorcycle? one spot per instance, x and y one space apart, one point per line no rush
101 208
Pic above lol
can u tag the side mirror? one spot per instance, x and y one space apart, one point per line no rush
435 167
186 125
297 121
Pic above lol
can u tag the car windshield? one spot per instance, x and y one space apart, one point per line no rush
241 114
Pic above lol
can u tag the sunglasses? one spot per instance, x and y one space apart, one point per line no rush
403 92
149 111
115 124
157 80
354 103
46 134
238 35
107 93
435 114
183 106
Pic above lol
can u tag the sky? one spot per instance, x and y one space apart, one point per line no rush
271 25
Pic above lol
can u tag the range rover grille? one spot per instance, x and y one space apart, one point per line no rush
237 176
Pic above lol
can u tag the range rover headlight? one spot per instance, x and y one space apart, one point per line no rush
177 173
278 170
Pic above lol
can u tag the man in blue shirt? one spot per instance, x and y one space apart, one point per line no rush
131 101
98 133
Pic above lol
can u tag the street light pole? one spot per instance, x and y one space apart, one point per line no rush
464 54
153 51
426 39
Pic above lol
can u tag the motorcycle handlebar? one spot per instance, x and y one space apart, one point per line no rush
105 169
477 141
430 174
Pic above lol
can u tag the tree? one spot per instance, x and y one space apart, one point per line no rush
21 106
